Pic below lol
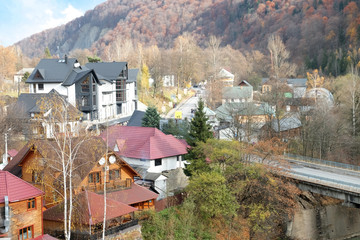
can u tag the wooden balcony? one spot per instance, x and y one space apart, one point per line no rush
110 186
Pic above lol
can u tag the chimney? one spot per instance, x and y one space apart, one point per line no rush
66 58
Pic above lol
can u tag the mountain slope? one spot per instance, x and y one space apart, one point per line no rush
313 30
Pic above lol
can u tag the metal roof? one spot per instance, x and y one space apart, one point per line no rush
15 188
109 70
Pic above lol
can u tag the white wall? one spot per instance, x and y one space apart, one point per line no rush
160 185
166 164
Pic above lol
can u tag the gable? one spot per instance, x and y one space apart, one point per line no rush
39 74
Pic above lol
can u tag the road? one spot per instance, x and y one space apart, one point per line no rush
186 106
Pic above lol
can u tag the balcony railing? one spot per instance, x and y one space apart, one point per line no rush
110 186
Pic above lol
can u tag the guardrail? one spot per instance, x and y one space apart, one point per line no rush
342 185
323 162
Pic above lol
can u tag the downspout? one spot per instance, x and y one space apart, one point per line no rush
5 229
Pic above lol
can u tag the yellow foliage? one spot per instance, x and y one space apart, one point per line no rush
314 80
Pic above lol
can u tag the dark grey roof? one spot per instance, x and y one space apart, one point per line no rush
109 70
239 92
78 74
28 103
52 70
132 75
136 119
297 82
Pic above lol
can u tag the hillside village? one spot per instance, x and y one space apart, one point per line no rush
232 120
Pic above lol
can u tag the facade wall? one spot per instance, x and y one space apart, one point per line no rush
21 217
125 173
168 163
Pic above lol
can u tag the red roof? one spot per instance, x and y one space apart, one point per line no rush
12 152
45 237
143 142
135 194
15 188
89 205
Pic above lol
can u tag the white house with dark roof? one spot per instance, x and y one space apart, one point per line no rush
103 91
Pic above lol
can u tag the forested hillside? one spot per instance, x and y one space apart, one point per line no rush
318 33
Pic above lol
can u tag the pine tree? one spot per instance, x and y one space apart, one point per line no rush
200 130
151 118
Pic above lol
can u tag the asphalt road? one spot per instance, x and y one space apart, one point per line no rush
186 106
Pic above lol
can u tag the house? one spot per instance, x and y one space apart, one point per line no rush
290 127
242 120
88 216
147 147
20 74
226 77
297 85
102 91
237 94
32 110
20 208
38 164
150 152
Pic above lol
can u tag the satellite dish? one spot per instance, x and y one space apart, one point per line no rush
112 159
102 161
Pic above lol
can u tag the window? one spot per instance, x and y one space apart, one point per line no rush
26 233
158 162
114 174
36 177
94 100
94 177
85 85
84 101
34 87
41 86
31 204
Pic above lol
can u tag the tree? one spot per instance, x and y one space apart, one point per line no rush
279 58
94 59
144 81
81 55
47 53
215 198
7 62
25 77
64 153
200 130
151 118
179 129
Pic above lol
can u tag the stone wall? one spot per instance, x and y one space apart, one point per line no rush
325 222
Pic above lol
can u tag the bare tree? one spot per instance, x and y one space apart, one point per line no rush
279 58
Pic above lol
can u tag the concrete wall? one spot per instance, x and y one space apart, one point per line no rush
329 222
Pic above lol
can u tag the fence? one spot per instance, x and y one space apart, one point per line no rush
323 162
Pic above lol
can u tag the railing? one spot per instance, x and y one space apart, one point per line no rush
110 186
323 162
338 184
98 234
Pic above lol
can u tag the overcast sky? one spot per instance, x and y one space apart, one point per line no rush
22 18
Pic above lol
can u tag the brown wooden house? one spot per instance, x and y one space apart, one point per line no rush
38 164
20 208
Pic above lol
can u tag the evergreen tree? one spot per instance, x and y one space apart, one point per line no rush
151 118
200 130
47 53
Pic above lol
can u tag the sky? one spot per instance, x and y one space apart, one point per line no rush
22 18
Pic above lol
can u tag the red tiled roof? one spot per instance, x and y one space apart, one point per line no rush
89 205
133 195
143 142
15 188
45 237
12 152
